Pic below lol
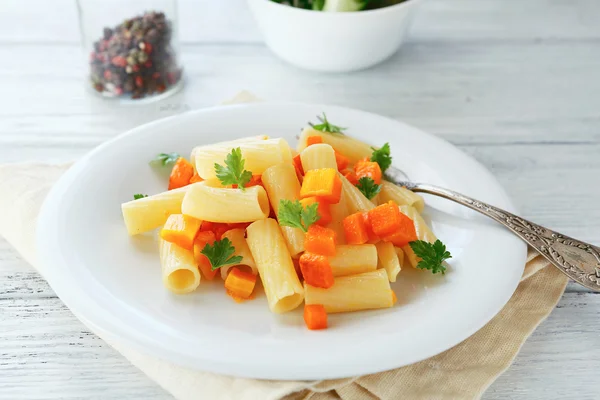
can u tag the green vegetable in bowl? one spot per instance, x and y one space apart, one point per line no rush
344 5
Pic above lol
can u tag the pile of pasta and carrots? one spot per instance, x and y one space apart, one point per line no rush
320 226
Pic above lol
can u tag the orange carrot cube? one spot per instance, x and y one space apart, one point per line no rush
404 233
202 239
316 270
368 169
181 174
350 175
342 161
320 240
240 283
315 316
385 219
373 238
323 208
324 183
313 140
195 178
181 230
355 229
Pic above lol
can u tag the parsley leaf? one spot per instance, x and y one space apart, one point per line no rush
221 253
382 157
368 187
139 196
432 255
291 213
234 172
326 126
164 159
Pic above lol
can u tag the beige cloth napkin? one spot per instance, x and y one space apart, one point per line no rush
463 372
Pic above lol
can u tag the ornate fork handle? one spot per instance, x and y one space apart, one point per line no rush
578 260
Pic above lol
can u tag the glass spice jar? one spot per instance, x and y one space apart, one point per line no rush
131 48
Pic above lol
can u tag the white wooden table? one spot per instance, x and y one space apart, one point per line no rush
516 84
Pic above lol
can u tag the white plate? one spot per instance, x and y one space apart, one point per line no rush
113 283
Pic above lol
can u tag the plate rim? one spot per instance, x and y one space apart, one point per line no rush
64 290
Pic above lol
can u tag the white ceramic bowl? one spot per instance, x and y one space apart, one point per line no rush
333 42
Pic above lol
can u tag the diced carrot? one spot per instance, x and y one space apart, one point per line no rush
202 239
181 174
254 181
394 298
195 178
342 161
181 230
368 169
320 240
316 270
315 316
313 140
350 175
323 208
296 262
240 283
298 167
404 233
218 228
239 225
355 229
385 219
324 183
298 164
373 238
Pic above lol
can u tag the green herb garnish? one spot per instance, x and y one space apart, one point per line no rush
326 126
139 196
291 213
164 159
368 187
432 255
221 253
233 173
382 157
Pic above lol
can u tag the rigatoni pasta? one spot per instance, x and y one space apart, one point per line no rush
238 241
282 286
320 227
318 156
353 259
180 272
225 205
258 154
353 293
400 195
281 183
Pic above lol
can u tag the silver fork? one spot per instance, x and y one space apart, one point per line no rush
578 260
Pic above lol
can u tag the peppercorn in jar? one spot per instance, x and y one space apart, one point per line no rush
133 59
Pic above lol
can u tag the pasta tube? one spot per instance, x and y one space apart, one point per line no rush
180 272
353 293
353 259
423 233
339 211
236 236
232 143
225 205
388 259
150 212
258 155
275 267
352 148
281 182
355 199
400 195
400 254
318 156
